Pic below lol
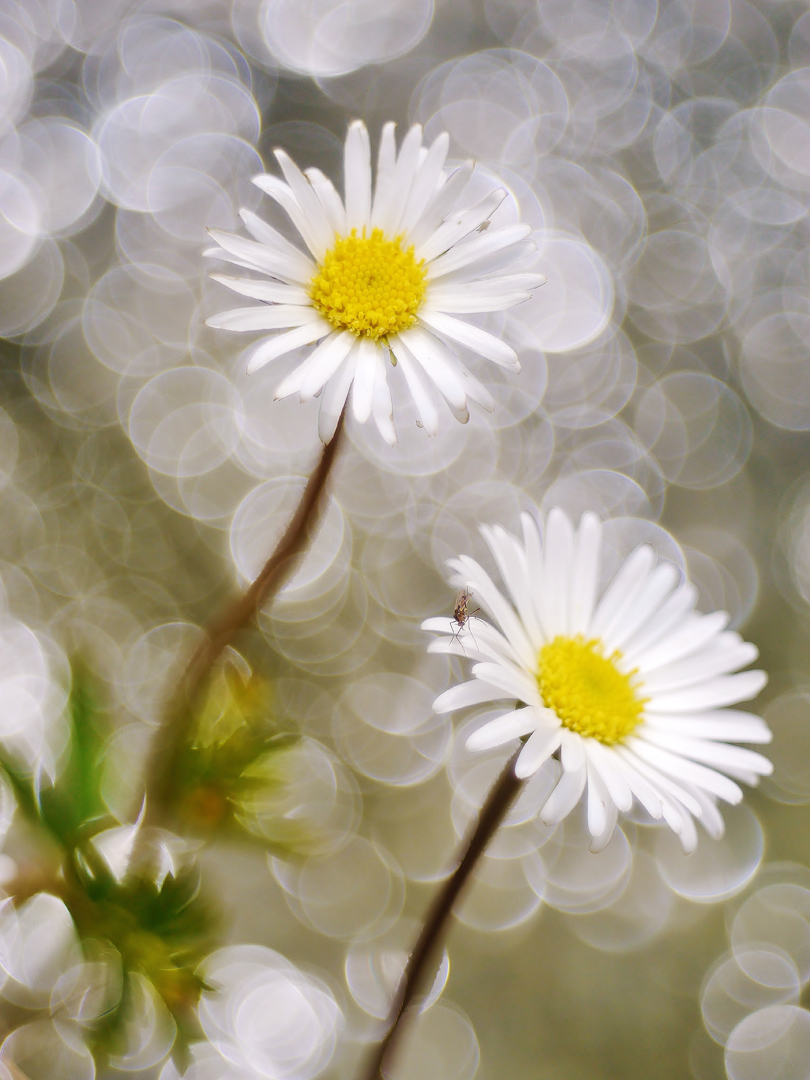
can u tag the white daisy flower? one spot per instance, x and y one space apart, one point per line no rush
629 690
386 274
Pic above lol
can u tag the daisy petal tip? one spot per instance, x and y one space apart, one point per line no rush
524 769
599 843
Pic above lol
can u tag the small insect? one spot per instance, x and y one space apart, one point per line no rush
483 226
462 613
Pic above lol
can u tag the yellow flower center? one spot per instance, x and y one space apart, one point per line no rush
586 689
369 285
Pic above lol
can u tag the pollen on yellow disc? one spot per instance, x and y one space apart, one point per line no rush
586 689
369 285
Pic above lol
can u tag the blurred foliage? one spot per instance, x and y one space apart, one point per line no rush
134 892
235 755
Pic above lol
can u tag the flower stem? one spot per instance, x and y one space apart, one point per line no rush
500 798
171 737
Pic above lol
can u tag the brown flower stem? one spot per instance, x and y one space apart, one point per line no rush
172 736
500 798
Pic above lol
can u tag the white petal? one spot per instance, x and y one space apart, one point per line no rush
725 690
710 817
475 692
334 343
604 761
598 799
692 634
602 811
458 225
510 559
717 660
585 573
622 591
657 588
282 194
730 725
318 223
382 408
418 384
662 783
641 788
672 613
479 249
514 683
298 270
321 369
442 201
539 748
494 294
390 204
284 343
564 797
534 561
573 751
683 769
493 265
272 292
438 364
260 230
426 182
490 598
719 755
263 317
330 200
558 555
503 729
357 176
334 398
386 165
472 338
363 389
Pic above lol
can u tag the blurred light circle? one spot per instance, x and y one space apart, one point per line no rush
675 292
754 978
332 37
774 369
575 304
717 869
503 893
386 727
788 717
265 1016
147 1031
635 918
696 427
64 166
773 1042
185 422
20 224
45 1049
578 880
374 969
29 295
441 1046
777 915
497 104
356 892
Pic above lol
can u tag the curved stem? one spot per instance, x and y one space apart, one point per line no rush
494 810
171 737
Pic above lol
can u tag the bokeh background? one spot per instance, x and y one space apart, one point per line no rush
662 154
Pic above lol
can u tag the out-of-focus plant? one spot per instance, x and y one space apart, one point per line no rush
236 760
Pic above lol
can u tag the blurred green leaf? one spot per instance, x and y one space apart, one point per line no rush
161 931
236 729
73 805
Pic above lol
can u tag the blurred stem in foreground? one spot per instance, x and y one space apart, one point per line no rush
494 810
172 736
